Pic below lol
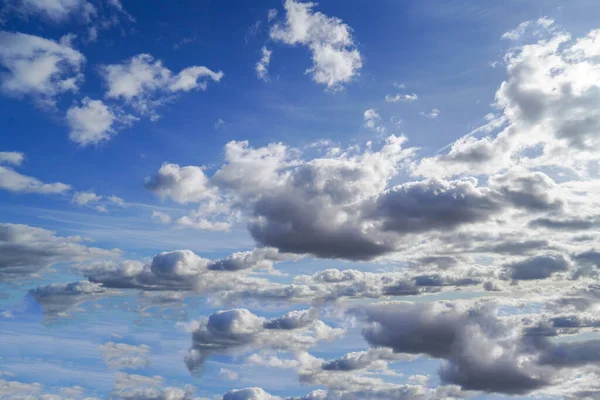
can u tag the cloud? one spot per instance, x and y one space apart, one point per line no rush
93 122
145 84
372 120
405 98
11 157
15 182
539 267
161 217
54 10
95 201
336 60
138 387
125 356
263 64
433 114
25 250
38 67
482 352
57 299
181 184
253 393
547 106
239 330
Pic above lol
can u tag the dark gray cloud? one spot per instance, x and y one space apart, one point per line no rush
460 337
539 267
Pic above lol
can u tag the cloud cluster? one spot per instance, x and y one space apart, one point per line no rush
336 60
144 83
39 68
239 330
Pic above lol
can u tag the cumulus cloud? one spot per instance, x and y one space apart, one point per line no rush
26 250
93 122
336 60
547 106
373 120
239 330
145 83
38 67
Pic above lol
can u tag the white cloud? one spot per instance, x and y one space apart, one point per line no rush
97 202
433 114
85 198
14 182
39 67
93 122
263 64
228 374
336 60
11 157
161 217
407 98
373 120
145 83
55 10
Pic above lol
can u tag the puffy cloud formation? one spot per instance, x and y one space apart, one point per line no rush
93 122
483 352
144 83
15 182
547 103
39 67
239 330
336 60
25 250
343 205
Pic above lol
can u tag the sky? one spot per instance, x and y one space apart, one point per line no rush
270 200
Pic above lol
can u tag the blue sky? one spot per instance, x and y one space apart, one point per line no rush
262 200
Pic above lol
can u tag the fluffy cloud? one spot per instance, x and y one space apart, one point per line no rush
239 330
25 250
39 67
547 107
144 83
335 58
93 122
